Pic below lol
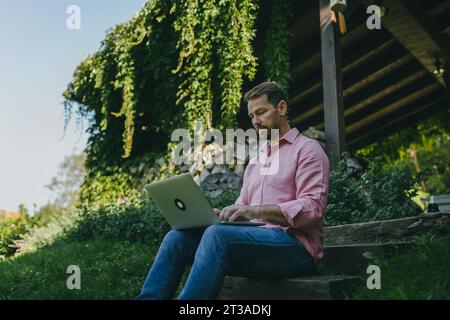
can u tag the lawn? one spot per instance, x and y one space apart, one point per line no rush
109 270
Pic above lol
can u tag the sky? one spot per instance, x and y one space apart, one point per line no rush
38 54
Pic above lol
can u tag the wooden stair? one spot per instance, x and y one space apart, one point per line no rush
350 259
343 267
322 287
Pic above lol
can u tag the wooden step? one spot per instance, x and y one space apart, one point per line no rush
302 288
349 259
386 230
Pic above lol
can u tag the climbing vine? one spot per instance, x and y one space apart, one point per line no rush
215 46
175 62
276 59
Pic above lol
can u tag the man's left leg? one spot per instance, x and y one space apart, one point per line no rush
255 252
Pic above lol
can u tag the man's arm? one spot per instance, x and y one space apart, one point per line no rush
270 213
307 208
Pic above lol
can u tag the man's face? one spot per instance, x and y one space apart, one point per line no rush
263 114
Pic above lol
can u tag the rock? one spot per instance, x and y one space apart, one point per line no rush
133 170
203 175
353 166
220 169
315 134
233 180
193 169
211 182
209 164
184 168
239 169
160 161
215 193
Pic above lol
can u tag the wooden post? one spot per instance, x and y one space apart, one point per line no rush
332 84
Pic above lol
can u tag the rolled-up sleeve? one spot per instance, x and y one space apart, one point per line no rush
312 177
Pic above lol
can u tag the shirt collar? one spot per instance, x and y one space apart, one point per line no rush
291 135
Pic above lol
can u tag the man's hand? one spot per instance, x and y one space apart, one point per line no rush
242 213
238 213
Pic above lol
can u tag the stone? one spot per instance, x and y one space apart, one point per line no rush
184 168
315 134
234 181
211 182
209 164
160 161
220 169
353 166
239 169
203 175
215 193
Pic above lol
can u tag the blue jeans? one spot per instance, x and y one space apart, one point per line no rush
219 250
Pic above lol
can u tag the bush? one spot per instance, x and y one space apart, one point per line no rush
43 233
10 230
228 197
422 273
138 222
381 192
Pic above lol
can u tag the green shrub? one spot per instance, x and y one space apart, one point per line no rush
10 230
381 192
228 197
422 273
140 222
45 233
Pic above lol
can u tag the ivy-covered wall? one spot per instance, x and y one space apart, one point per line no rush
175 62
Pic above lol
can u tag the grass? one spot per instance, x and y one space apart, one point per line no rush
423 273
109 270
116 269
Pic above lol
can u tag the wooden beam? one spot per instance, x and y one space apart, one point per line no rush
312 64
332 84
357 85
393 107
402 122
413 29
380 95
355 60
439 8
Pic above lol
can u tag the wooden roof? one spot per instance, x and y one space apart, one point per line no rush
388 75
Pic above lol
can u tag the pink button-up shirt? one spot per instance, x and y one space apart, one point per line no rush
299 187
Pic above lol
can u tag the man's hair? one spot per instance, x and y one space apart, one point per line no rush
273 91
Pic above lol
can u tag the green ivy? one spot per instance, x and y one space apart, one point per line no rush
175 49
276 57
215 47
174 63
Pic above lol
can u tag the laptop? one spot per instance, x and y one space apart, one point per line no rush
184 205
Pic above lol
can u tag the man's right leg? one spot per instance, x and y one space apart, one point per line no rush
176 251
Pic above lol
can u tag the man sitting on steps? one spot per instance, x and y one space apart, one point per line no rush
291 203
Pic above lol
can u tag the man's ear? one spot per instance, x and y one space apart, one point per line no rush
283 107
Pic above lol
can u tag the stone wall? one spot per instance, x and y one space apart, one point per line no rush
214 176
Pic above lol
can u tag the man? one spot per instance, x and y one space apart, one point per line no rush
291 203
